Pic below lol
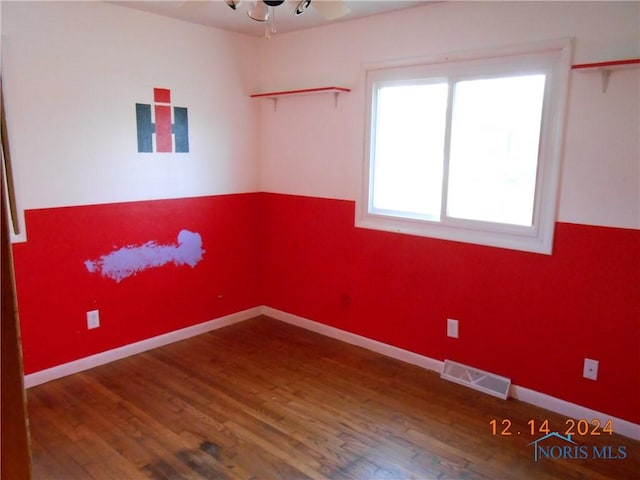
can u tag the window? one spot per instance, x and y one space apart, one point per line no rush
467 150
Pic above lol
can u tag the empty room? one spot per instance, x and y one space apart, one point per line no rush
320 240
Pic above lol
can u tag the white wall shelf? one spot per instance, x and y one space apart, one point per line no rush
304 91
605 68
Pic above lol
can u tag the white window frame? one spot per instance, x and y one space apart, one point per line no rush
553 58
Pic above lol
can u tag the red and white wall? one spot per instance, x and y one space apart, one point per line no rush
73 73
533 318
272 193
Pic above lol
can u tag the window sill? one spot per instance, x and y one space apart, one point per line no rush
504 236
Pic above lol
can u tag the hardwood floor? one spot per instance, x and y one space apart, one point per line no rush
266 400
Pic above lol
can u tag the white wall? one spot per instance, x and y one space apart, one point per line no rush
73 72
601 174
311 148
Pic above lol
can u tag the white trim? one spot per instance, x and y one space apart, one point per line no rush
575 411
470 54
102 358
572 410
553 58
354 339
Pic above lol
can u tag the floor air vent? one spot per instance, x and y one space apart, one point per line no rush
478 379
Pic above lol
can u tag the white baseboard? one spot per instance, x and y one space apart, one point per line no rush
575 411
98 359
358 340
572 410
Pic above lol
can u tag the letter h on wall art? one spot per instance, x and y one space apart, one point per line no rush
170 136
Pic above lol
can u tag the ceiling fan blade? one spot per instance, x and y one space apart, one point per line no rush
331 9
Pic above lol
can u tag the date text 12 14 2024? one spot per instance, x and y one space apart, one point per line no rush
571 427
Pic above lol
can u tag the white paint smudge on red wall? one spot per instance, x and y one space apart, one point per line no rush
127 261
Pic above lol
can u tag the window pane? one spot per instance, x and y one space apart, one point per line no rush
494 149
409 148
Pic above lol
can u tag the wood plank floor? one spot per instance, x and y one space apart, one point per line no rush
266 400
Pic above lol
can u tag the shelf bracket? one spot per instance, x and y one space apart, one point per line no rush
605 68
606 74
275 95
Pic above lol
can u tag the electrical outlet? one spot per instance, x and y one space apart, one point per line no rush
590 369
93 319
452 328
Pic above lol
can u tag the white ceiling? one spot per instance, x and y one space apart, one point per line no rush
216 13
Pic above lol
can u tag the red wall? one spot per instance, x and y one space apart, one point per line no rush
530 317
55 289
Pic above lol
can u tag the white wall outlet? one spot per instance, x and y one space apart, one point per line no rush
452 328
590 369
93 319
